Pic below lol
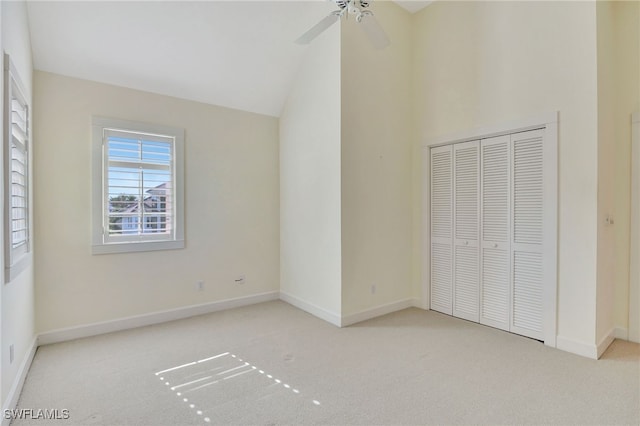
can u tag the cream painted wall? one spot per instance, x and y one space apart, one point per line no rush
232 212
18 295
486 63
606 161
310 247
376 163
626 52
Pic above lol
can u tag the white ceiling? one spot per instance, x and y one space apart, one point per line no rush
413 5
238 54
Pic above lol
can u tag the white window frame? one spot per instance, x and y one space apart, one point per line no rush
103 243
17 256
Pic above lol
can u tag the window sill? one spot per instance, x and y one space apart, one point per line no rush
12 272
132 247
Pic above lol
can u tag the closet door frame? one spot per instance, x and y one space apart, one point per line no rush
548 123
634 267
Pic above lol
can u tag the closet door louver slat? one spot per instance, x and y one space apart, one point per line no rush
441 229
495 283
527 243
466 282
488 235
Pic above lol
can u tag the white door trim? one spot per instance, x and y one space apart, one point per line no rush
548 122
485 132
634 264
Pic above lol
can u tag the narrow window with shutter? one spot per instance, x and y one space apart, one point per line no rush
138 198
16 164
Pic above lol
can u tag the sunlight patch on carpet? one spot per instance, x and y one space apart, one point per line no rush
214 384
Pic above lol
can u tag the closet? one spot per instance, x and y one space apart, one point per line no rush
487 231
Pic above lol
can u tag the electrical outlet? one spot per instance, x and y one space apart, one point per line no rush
373 289
200 286
240 279
11 354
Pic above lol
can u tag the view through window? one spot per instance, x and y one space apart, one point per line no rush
140 184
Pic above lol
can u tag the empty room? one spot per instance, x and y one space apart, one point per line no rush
320 212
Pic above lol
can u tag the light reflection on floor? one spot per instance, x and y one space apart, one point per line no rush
237 375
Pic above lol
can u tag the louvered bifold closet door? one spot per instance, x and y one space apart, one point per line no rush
466 282
527 238
441 229
495 282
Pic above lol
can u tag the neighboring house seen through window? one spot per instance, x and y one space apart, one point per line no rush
139 185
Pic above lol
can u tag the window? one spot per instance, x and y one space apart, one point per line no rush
16 168
137 187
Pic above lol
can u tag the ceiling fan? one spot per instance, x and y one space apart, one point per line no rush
365 18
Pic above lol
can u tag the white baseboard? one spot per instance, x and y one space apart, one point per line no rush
578 348
621 333
419 303
94 329
16 388
586 349
376 312
314 310
605 342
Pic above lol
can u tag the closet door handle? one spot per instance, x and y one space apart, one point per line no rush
495 245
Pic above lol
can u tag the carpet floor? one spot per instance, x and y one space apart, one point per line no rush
271 363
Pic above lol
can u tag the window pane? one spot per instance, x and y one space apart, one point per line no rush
156 152
140 187
121 149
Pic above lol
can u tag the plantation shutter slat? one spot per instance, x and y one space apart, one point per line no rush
18 169
139 186
16 145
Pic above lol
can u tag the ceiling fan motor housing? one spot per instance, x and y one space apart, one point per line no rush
374 31
352 5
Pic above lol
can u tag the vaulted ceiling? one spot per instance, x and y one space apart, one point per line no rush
238 54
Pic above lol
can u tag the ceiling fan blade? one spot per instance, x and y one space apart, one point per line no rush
319 28
373 30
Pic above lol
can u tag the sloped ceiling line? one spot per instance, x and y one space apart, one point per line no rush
237 54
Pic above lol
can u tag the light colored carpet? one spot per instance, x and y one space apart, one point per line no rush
410 367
